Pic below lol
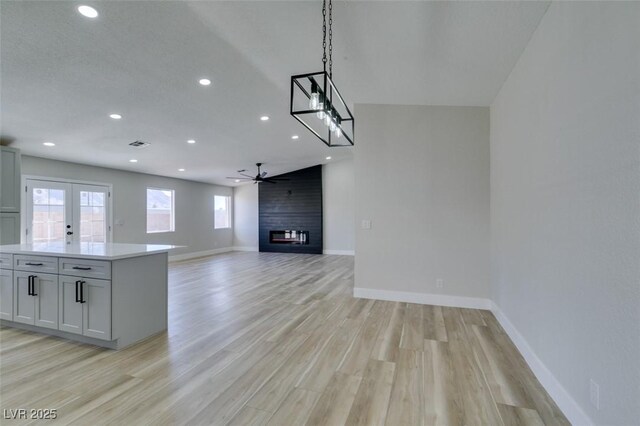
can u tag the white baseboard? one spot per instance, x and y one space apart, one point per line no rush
563 399
245 248
196 254
423 298
340 252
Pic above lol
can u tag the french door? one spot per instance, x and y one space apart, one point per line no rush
66 213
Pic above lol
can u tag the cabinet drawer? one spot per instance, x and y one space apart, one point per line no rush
6 261
35 264
85 268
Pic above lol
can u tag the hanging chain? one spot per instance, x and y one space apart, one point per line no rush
330 39
324 35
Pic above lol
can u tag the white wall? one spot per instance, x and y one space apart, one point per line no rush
422 178
194 204
245 217
565 203
338 205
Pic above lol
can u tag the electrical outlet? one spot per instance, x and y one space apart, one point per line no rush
439 283
594 394
366 224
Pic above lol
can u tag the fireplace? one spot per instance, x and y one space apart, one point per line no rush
290 213
289 237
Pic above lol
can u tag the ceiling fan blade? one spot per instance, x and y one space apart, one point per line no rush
239 178
246 175
263 174
280 179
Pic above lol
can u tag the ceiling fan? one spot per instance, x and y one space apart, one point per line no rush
259 178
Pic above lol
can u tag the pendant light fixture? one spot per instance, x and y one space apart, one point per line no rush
315 100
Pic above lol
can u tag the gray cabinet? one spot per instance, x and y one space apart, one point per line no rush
35 299
85 306
9 180
9 228
6 294
109 303
70 308
96 312
24 306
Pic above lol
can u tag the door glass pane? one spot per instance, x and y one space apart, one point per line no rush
48 215
93 220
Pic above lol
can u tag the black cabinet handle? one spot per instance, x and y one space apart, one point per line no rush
33 264
77 291
82 292
29 285
32 285
80 268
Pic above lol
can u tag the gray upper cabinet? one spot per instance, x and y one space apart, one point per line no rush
9 180
9 228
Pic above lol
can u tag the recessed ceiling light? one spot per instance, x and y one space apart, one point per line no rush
88 11
328 158
49 144
133 160
205 81
115 116
237 180
264 118
294 137
181 170
191 141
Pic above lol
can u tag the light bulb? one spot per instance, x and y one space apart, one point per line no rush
327 119
338 132
320 114
332 126
314 100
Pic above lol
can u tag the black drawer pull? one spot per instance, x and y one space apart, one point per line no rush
78 291
80 268
33 264
29 278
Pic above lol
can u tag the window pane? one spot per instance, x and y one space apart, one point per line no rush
48 215
40 196
93 221
222 212
160 210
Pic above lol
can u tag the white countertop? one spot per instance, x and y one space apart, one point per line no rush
103 251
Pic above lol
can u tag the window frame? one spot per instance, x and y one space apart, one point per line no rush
172 224
228 203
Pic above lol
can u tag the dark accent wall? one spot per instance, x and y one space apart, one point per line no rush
295 204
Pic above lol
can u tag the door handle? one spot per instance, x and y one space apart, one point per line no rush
69 233
78 291
82 292
32 285
29 285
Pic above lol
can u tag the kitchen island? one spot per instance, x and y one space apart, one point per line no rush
107 294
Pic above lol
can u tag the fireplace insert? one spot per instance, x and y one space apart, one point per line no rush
289 237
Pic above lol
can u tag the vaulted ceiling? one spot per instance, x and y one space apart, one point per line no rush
63 74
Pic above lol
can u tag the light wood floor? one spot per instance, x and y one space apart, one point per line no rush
278 339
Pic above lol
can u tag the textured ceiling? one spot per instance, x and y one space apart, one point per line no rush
63 74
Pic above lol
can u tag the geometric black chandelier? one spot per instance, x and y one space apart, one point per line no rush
315 100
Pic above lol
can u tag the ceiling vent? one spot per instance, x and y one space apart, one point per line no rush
139 144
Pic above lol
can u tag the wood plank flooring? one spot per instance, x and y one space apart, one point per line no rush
278 339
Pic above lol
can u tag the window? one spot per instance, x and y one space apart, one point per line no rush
222 212
160 210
